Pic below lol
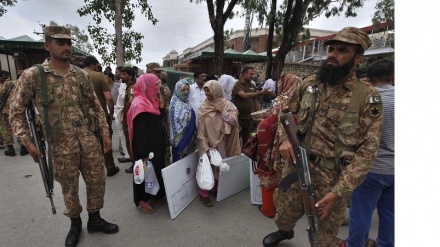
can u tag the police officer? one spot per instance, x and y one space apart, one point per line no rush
73 108
339 125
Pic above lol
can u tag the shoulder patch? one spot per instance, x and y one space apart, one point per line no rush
375 111
375 99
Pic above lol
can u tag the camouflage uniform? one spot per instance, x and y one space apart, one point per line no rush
328 129
74 150
8 138
166 96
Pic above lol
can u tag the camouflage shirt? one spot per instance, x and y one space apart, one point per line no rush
61 89
327 128
3 90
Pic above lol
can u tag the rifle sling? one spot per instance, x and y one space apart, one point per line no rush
45 105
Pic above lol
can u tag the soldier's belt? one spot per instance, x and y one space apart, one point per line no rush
74 124
329 164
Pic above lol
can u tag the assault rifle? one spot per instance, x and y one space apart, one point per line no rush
41 145
302 174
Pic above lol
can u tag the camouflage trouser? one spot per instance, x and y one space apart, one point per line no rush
290 208
74 155
8 138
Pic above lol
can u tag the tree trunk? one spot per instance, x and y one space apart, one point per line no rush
272 13
278 65
218 50
118 33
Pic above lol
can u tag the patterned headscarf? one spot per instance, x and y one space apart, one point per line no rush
286 85
269 165
180 112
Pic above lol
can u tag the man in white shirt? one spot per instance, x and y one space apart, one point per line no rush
196 92
270 84
266 101
119 105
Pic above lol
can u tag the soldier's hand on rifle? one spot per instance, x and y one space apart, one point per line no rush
33 152
107 143
286 151
326 204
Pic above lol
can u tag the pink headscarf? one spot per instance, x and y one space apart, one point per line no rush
145 99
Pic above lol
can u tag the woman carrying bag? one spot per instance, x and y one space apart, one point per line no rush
218 129
147 135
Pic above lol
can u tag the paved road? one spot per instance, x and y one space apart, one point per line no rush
27 220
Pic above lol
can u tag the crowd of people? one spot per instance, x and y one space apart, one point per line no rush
340 121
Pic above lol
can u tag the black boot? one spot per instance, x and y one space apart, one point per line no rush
275 237
23 151
10 151
130 170
72 238
98 224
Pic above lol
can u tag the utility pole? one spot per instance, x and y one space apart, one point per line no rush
247 31
120 54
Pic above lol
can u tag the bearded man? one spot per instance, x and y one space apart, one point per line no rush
340 118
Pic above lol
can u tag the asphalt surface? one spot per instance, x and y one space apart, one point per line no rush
27 220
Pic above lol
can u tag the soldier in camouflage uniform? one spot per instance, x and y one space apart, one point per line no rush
341 144
73 107
6 88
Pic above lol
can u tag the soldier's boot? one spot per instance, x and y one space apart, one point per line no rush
10 151
72 238
98 224
275 237
23 151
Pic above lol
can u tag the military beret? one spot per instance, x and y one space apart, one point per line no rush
57 32
351 35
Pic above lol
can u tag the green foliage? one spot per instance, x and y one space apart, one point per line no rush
384 13
4 4
292 15
104 41
218 11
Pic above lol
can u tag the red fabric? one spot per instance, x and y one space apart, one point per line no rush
268 207
266 135
145 99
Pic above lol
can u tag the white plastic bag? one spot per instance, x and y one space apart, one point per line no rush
216 160
138 172
151 184
204 175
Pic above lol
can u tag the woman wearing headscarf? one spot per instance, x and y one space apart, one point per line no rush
182 122
146 133
227 82
269 160
218 128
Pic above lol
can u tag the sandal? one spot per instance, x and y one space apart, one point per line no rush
146 208
162 200
206 201
370 243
